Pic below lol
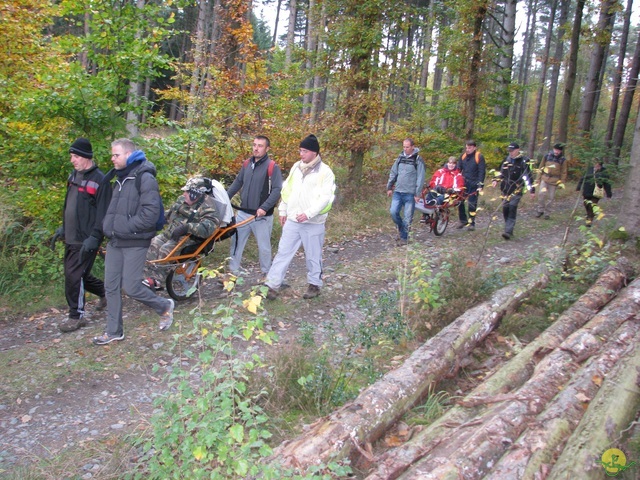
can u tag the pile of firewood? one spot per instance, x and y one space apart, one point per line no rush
549 412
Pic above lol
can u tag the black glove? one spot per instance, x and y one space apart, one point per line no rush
440 190
59 235
89 245
180 231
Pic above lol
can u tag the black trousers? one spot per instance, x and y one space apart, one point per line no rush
589 202
78 279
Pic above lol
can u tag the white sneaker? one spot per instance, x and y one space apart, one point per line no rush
166 319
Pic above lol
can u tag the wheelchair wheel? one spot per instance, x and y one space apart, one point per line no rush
183 281
441 221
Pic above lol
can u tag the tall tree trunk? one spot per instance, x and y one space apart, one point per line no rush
505 63
426 51
630 217
543 81
291 33
597 63
318 79
627 102
480 11
199 53
134 92
311 55
520 103
275 24
617 76
572 66
555 75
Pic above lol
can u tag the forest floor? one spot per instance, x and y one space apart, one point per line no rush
61 397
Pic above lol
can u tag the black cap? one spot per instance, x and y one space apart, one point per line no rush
310 143
513 146
471 142
82 147
558 146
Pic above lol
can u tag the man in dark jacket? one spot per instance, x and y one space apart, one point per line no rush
81 231
473 167
130 224
260 179
595 176
514 177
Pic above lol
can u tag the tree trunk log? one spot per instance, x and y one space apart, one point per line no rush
512 375
535 451
472 452
381 404
610 412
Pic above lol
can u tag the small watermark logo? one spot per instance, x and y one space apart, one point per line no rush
614 462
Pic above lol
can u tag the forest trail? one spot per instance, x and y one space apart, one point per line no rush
61 391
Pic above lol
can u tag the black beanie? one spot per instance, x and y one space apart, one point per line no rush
310 143
82 147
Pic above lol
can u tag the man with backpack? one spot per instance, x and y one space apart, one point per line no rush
553 174
514 178
260 180
130 223
473 168
405 187
81 232
193 213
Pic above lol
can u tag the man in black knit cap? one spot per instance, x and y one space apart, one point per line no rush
81 232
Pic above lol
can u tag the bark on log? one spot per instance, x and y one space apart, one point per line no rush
472 453
511 376
380 405
536 449
610 412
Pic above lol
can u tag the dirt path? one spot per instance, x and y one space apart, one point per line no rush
60 391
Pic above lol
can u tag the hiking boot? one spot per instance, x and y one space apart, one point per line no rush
423 219
461 225
547 217
539 214
166 319
588 223
401 242
312 291
506 236
102 304
472 227
106 338
272 294
72 324
152 283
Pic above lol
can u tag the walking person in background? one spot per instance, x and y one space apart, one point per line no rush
552 174
130 224
595 184
473 167
405 187
307 196
514 178
260 180
81 232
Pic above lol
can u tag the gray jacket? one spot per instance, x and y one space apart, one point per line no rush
407 174
131 217
253 179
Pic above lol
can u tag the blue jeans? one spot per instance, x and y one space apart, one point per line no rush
398 202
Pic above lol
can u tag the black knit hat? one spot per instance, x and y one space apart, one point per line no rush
559 146
310 143
82 147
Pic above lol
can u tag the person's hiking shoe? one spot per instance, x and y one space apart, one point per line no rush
547 217
588 223
312 291
472 227
152 283
102 304
423 219
539 214
166 319
106 338
401 242
506 236
72 324
461 225
272 293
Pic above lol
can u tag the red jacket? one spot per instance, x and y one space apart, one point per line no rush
448 179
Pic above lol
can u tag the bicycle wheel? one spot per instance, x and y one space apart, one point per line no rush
184 280
441 221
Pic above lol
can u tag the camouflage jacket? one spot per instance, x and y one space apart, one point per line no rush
200 217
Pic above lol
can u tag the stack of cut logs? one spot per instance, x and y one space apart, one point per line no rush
549 412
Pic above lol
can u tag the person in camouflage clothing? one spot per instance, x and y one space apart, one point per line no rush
193 213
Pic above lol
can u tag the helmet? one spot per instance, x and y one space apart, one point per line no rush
196 185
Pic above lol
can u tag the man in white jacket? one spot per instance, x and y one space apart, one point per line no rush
307 195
